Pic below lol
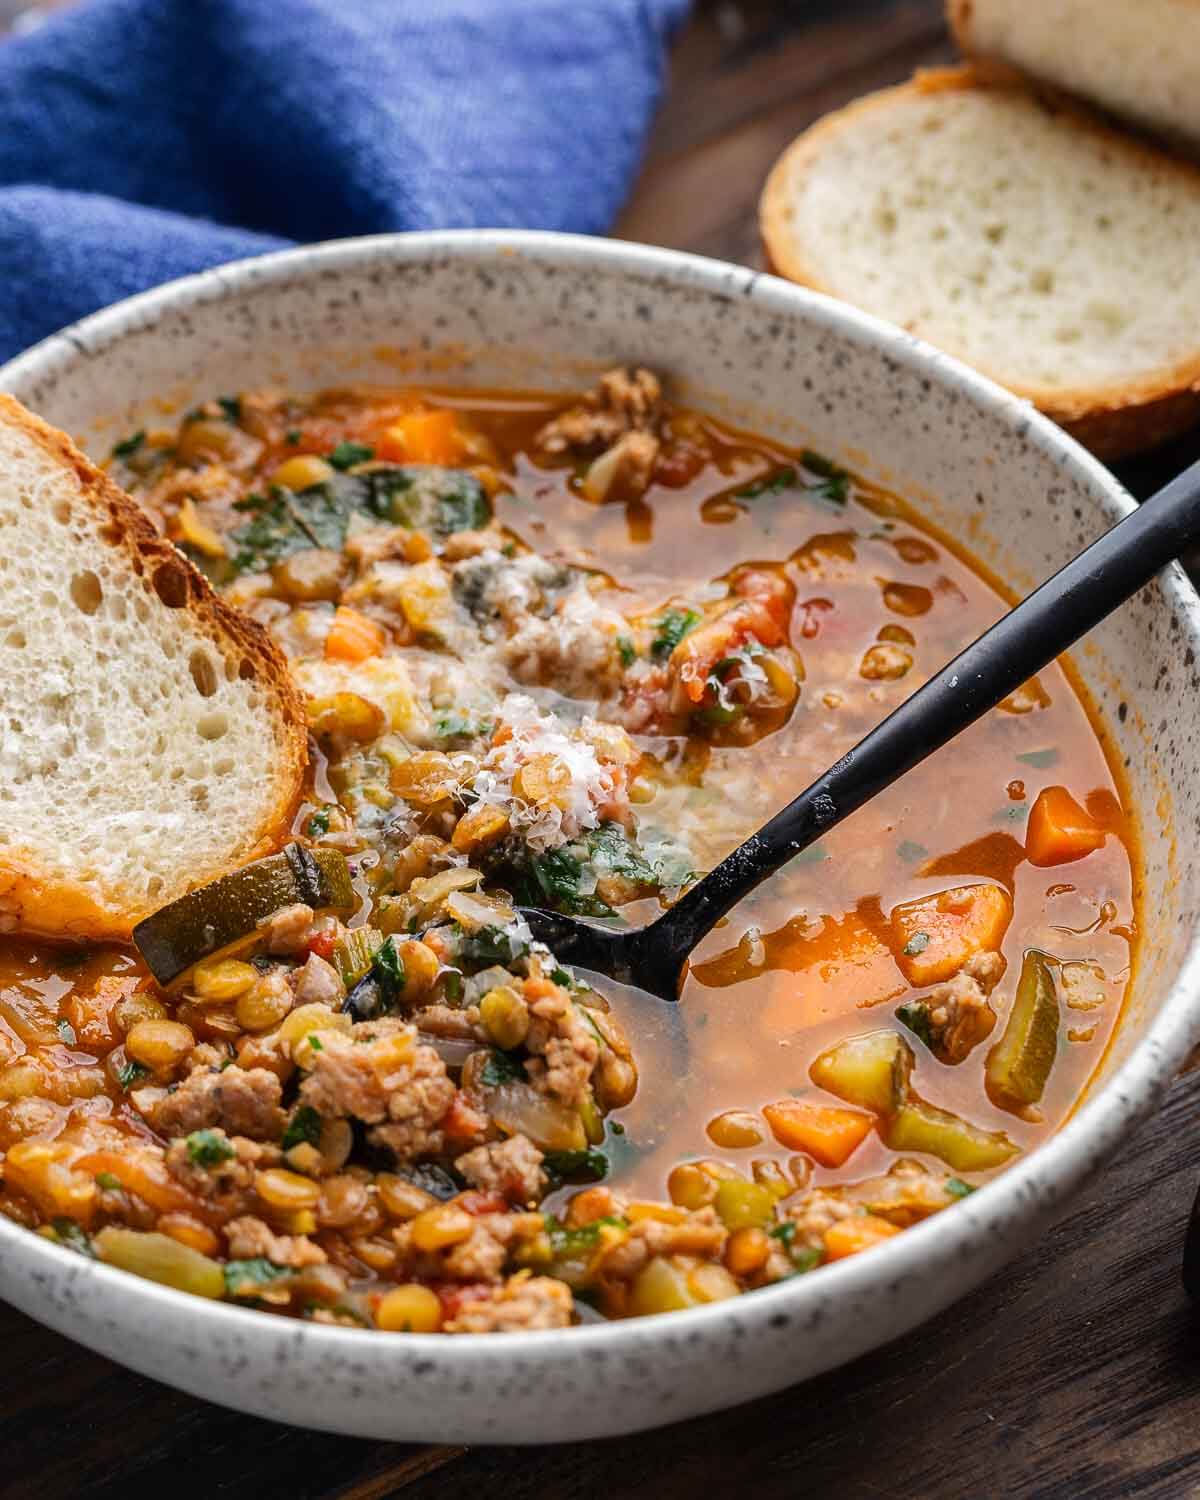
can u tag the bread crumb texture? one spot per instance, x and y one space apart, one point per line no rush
149 736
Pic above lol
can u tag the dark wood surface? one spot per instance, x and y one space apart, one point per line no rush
1075 1372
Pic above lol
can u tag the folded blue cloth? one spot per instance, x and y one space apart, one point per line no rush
143 139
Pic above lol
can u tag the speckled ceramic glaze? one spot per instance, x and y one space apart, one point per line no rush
543 310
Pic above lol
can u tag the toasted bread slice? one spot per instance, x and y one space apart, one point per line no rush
1138 61
150 735
1014 231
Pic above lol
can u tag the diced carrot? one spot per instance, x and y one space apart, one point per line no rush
936 935
462 1121
353 637
145 1176
422 437
849 1236
827 1133
1059 830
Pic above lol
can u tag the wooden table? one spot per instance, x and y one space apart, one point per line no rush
1076 1372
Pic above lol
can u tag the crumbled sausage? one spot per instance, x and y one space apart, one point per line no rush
229 1184
960 1016
701 1234
377 1072
250 1238
625 399
523 1303
240 1101
479 1257
512 1168
564 1047
287 929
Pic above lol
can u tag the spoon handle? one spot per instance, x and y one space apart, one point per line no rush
1052 618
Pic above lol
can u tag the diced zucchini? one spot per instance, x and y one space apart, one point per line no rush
870 1070
744 1205
1020 1062
160 1258
918 1126
227 912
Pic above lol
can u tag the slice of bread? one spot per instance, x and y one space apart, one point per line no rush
1138 60
150 735
1012 230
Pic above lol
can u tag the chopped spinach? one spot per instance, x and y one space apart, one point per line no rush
429 497
626 651
588 1165
571 1242
670 629
208 1148
286 523
454 726
303 1129
388 968
318 823
292 436
346 455
915 1015
69 1234
834 485
501 1068
492 945
245 1278
127 447
916 944
773 484
130 1073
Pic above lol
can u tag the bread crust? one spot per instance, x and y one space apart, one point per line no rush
1113 420
33 899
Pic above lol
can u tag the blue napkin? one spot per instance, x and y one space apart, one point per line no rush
143 139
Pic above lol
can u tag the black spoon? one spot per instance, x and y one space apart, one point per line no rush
1052 618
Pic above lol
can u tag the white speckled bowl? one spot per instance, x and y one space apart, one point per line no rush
545 310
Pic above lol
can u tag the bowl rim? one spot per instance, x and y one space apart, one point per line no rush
1053 1169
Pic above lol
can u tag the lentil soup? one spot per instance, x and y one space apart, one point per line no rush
569 653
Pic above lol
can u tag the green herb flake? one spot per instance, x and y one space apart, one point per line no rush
243 1278
303 1129
315 1043
773 484
292 436
108 1182
590 1164
317 824
910 852
455 726
452 986
127 447
916 944
915 1015
569 1243
346 455
670 629
806 1260
231 406
957 1188
130 1073
501 1068
834 486
72 1237
208 1148
388 968
67 1032
1040 758
626 651
785 1233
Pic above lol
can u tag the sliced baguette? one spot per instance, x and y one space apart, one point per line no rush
150 736
1014 231
1138 60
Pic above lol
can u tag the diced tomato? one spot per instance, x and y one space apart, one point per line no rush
474 1202
323 943
462 1121
454 1295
